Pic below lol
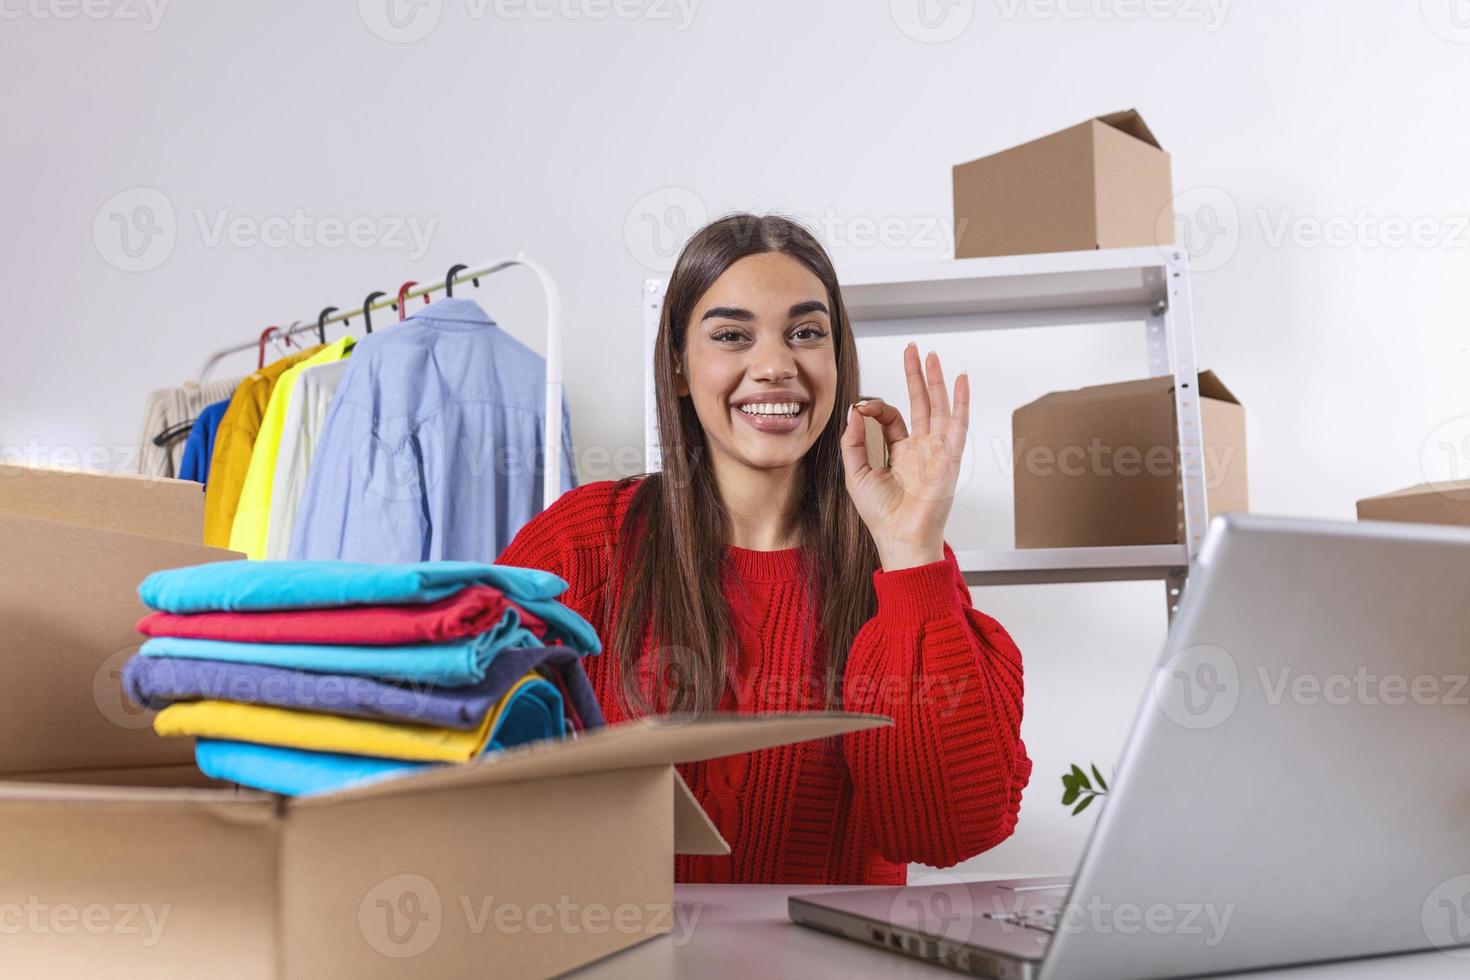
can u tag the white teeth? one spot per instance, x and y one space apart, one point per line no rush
771 408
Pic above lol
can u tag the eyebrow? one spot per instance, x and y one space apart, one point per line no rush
736 313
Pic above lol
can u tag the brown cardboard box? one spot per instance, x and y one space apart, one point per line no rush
120 860
1099 465
1104 183
1444 502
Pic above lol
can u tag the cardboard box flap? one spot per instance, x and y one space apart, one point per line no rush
1419 489
694 831
1130 122
153 506
631 745
1212 387
237 806
1162 384
1209 387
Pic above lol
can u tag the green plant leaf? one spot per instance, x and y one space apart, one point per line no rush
1069 797
1083 805
1101 782
1081 777
1068 781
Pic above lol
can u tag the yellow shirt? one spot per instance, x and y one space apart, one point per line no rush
316 732
251 526
232 445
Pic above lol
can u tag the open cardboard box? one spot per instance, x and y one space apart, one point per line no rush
1099 466
119 859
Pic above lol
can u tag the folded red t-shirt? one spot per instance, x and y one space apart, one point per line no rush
469 612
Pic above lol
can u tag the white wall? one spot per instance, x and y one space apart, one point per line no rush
573 138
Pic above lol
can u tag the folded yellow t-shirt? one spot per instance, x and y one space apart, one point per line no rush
318 732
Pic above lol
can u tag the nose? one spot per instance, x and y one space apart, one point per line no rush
772 361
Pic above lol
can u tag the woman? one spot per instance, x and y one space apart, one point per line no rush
769 567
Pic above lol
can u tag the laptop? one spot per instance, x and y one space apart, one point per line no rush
1295 787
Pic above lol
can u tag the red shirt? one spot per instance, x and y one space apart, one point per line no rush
940 785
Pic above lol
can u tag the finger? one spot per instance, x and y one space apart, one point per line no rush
918 398
886 415
938 396
955 436
855 447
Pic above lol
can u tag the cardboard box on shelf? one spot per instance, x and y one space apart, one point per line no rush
121 860
1104 183
1442 502
1100 465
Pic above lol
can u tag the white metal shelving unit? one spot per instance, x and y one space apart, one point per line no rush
1149 284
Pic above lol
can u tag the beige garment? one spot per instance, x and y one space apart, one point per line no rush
168 407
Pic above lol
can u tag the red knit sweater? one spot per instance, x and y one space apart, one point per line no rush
941 785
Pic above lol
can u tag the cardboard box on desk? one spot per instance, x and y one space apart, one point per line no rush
118 859
1444 502
1104 183
526 864
1099 465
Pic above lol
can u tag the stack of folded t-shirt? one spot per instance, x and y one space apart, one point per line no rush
308 676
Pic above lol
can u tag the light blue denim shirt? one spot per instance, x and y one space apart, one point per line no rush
432 448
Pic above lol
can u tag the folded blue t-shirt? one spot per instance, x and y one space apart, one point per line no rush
255 586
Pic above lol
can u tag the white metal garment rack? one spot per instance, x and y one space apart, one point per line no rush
551 475
1148 284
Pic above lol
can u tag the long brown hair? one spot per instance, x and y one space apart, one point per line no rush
672 541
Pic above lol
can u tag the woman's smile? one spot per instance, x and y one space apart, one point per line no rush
775 412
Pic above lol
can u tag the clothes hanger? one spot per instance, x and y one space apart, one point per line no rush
455 270
321 323
367 309
402 306
265 335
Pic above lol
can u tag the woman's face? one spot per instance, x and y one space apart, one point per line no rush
758 346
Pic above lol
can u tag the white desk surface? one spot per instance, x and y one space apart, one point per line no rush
742 931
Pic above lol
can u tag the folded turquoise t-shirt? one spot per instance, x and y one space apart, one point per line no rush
242 586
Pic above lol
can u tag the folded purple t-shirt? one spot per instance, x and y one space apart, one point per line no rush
157 682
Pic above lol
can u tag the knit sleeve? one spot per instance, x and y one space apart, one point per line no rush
944 782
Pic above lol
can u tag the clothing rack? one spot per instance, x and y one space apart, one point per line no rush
551 483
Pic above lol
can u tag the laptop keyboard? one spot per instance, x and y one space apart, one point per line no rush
1041 918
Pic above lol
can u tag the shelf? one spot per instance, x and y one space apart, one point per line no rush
1034 566
1104 284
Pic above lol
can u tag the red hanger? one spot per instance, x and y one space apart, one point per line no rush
264 336
402 293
